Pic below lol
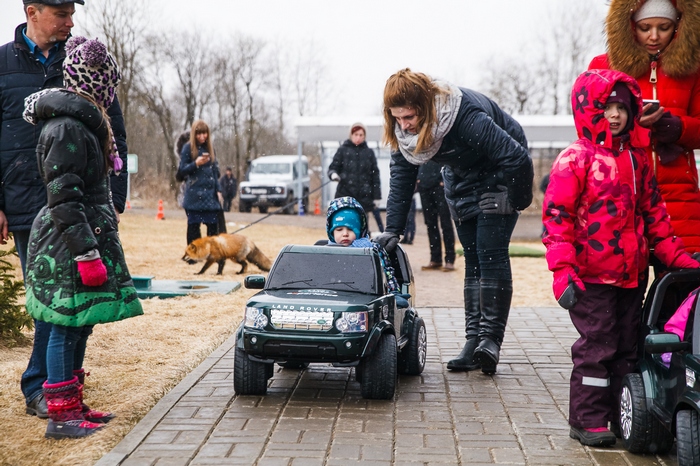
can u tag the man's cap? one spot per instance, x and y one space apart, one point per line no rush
53 2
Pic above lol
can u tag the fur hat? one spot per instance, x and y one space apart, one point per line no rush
53 2
91 70
355 126
656 9
622 94
347 217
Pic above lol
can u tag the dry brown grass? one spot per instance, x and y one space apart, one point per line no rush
135 362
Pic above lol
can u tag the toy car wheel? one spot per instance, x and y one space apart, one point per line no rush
379 370
294 365
641 431
249 377
412 357
243 206
688 437
358 372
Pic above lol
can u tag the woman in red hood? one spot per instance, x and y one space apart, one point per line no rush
602 213
658 43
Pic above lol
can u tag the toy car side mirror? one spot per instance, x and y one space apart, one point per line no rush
254 282
658 343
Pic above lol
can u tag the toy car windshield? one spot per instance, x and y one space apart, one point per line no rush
341 272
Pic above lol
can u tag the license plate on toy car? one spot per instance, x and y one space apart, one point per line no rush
301 320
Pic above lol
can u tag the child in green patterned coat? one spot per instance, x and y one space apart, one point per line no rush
76 272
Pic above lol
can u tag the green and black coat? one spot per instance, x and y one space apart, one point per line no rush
78 221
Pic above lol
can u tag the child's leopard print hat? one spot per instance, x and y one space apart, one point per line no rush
90 69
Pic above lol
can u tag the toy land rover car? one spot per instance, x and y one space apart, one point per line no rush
275 181
662 399
329 304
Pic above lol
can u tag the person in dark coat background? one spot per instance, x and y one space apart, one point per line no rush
31 62
488 175
228 184
354 167
432 198
200 170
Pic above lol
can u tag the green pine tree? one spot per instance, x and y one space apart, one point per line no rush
13 317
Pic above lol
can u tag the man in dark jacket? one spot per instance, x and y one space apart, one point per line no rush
229 184
31 62
435 210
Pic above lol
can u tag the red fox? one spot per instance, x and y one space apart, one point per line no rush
218 248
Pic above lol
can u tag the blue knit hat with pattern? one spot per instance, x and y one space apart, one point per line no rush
347 218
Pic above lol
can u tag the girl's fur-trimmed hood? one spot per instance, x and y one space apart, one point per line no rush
681 57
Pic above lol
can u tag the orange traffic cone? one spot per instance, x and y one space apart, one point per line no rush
317 208
128 204
160 215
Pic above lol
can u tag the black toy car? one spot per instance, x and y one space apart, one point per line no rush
326 304
662 399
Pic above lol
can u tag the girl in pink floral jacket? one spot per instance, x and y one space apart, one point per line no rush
602 214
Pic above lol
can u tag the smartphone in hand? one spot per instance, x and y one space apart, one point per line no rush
654 106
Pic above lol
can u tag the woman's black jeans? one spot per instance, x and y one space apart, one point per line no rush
485 240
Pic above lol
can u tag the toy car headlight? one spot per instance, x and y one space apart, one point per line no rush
352 322
255 318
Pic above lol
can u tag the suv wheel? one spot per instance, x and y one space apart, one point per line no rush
688 437
412 357
379 370
289 202
641 431
262 209
249 377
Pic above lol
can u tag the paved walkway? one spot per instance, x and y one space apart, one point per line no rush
317 416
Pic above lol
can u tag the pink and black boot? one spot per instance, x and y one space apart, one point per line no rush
66 418
98 417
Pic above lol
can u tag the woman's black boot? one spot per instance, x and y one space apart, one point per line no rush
472 314
495 306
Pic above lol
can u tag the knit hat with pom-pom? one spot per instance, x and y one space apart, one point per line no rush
91 70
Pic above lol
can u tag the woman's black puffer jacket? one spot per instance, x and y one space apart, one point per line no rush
485 148
359 175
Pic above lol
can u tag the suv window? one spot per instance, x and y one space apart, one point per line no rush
338 272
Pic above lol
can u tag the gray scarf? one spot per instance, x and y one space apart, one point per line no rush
446 107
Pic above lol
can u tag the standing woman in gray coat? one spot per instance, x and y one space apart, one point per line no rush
487 172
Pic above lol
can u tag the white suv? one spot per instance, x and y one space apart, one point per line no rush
273 181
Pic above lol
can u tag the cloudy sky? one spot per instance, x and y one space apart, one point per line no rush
365 41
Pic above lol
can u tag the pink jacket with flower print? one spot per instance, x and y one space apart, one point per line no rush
602 209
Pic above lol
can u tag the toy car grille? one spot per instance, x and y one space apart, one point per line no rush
301 320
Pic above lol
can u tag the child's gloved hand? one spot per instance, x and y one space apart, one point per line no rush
668 128
335 177
388 240
567 287
92 273
496 203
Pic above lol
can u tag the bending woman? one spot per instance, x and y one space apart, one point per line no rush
488 178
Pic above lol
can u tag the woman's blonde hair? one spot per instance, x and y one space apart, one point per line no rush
199 126
411 90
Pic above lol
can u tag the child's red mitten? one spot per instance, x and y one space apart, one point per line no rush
567 286
92 273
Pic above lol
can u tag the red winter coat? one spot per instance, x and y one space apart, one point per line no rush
602 209
678 90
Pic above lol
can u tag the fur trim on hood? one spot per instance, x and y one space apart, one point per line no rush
681 57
